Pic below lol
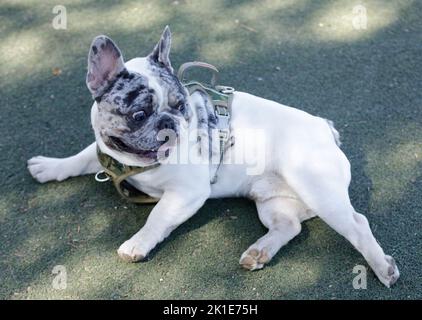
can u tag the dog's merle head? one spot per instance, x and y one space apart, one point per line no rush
135 108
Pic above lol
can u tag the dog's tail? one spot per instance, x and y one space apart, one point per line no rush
335 133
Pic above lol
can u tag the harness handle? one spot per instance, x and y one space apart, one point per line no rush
188 65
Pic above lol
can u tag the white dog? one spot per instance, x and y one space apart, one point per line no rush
305 174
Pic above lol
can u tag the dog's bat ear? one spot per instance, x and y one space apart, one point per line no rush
161 52
105 62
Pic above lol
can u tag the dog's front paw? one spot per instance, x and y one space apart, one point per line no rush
390 274
131 251
45 169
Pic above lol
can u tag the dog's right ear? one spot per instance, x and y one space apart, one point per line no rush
105 62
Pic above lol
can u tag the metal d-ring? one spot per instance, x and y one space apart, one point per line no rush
225 89
98 177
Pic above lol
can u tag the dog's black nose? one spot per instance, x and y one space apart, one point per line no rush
166 122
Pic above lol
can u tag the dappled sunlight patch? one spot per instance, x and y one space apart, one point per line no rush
13 205
21 51
291 273
98 272
31 55
393 170
125 17
7 201
31 3
239 30
36 51
302 272
87 275
343 20
31 249
52 194
96 223
251 11
132 17
224 51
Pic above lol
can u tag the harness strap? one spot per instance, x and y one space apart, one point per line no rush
221 98
118 173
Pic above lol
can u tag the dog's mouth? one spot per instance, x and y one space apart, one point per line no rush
120 145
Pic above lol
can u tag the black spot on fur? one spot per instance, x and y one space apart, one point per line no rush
94 49
212 119
133 94
127 75
110 44
123 74
130 97
109 86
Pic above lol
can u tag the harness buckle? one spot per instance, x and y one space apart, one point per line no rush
223 135
222 110
98 177
223 116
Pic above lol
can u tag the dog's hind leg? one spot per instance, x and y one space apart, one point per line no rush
281 215
322 183
46 169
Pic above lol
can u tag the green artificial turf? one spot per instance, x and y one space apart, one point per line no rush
302 53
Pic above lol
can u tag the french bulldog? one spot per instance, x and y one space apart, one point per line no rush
304 171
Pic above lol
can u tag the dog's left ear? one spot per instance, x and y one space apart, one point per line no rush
161 51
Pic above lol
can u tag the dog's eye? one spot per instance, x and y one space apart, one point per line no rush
181 107
139 116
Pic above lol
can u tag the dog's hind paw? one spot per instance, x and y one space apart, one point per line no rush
392 273
129 251
254 259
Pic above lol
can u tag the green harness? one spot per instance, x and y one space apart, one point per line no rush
221 97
